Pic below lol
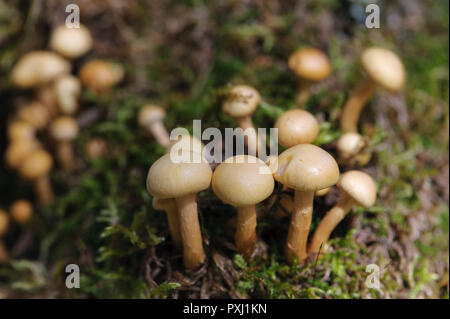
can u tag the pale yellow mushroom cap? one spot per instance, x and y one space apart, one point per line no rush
34 113
150 114
359 186
67 89
38 68
169 179
64 128
21 130
306 167
37 164
384 67
71 42
21 211
18 150
100 76
4 222
241 101
310 63
296 127
242 180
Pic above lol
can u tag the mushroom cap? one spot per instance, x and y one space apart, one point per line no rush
18 150
4 222
38 68
306 167
242 180
64 128
96 147
185 143
168 179
21 130
37 164
71 42
150 114
67 88
384 67
296 127
241 101
310 63
360 186
21 211
100 75
350 143
34 113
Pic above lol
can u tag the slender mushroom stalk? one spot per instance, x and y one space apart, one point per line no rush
352 149
243 181
182 179
21 211
296 127
384 69
71 42
311 66
170 207
240 104
151 118
304 168
36 168
67 88
64 130
4 222
100 76
286 202
357 188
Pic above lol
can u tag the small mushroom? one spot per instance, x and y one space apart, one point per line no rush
352 149
18 150
21 211
151 118
100 76
243 181
36 168
357 189
310 65
383 68
169 205
296 127
21 130
305 168
71 42
182 180
4 222
35 114
67 89
64 130
240 104
95 148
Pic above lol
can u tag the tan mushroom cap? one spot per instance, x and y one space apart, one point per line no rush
4 222
100 75
384 67
21 211
296 127
310 63
21 130
185 143
241 101
37 164
242 180
350 143
71 42
38 68
359 186
18 150
167 179
306 167
34 113
64 128
150 114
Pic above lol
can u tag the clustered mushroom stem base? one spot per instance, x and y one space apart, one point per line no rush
191 235
356 101
329 223
174 223
299 227
43 190
251 137
65 156
246 229
4 255
304 92
160 134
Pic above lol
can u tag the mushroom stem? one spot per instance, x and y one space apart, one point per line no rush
191 235
66 156
158 130
303 93
43 190
355 103
299 227
251 137
174 223
246 229
329 223
4 255
47 98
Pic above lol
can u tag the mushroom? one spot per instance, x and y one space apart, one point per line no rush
286 202
240 104
100 76
18 150
383 68
169 205
357 188
35 114
151 118
21 130
96 148
4 222
310 65
352 149
296 127
67 89
71 42
305 168
21 211
36 168
243 181
64 130
182 180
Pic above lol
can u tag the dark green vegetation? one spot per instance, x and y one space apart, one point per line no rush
182 57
